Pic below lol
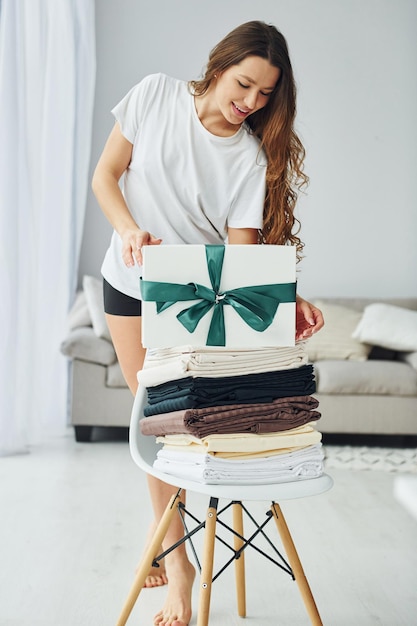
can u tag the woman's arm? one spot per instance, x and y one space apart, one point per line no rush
309 319
242 235
113 162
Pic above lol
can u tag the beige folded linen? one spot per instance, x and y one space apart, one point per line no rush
165 364
194 448
173 352
247 443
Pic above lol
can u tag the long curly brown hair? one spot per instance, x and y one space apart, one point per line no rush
273 125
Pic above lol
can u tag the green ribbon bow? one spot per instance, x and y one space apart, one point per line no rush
256 304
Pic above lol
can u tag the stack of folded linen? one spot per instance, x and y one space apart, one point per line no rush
233 416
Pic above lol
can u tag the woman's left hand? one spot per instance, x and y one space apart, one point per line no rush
309 319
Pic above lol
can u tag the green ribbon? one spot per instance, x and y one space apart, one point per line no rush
256 304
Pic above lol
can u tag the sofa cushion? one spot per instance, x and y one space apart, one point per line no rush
369 377
82 343
114 376
93 290
334 341
389 326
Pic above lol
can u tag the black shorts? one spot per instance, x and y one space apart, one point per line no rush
118 303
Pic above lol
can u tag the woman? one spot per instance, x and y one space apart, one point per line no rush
211 161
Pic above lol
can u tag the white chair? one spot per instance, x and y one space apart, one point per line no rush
143 450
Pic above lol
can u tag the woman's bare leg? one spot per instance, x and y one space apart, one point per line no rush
126 333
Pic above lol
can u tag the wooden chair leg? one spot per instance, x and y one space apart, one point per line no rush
147 560
296 566
240 562
207 564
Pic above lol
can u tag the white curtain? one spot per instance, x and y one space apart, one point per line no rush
47 79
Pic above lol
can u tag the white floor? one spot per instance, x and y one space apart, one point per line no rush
73 518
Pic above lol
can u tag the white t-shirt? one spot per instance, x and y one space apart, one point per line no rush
184 184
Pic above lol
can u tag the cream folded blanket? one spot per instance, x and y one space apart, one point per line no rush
246 443
165 364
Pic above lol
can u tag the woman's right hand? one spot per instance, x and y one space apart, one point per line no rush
132 242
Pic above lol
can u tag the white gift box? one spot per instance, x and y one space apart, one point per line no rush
263 267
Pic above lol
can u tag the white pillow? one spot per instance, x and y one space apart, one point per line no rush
82 343
334 340
93 289
388 326
79 314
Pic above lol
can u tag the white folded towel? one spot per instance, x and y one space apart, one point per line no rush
301 464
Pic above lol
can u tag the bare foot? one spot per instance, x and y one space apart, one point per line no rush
177 608
157 576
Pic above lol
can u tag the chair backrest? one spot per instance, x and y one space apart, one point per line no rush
144 448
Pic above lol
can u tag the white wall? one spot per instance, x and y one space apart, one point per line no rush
355 63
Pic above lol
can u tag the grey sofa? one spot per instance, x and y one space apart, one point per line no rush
362 389
376 395
98 395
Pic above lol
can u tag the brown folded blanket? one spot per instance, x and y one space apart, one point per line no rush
263 417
